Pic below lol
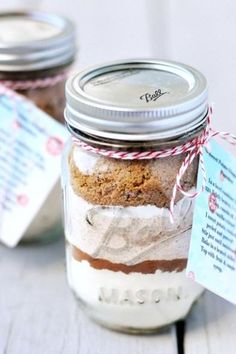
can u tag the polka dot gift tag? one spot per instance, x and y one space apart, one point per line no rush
31 144
212 254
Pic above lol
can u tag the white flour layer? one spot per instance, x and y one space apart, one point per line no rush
132 300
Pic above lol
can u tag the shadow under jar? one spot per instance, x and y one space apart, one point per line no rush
125 259
36 52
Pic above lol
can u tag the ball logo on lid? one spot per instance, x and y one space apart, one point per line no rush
153 96
143 96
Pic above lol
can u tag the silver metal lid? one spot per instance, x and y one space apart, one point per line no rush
35 41
137 100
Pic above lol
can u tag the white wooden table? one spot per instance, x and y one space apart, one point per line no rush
38 315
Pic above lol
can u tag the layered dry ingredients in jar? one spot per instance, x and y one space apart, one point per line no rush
36 52
46 88
125 259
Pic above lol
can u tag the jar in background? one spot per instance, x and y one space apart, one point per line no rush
125 259
36 52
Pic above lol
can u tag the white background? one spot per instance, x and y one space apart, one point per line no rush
201 34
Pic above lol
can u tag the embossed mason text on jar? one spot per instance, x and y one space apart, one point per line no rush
130 123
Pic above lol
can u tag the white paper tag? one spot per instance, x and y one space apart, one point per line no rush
31 143
212 254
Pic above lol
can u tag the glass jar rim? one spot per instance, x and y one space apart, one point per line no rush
129 146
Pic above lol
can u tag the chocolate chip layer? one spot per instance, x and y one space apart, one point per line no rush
146 267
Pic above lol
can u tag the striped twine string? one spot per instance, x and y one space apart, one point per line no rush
192 149
34 84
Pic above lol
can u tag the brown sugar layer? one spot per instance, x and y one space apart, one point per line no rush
146 267
131 182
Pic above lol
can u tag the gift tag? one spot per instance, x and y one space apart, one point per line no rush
212 254
31 143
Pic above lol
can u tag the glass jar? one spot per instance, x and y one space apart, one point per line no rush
126 260
36 52
33 85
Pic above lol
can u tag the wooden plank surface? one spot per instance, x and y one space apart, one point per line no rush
211 327
38 314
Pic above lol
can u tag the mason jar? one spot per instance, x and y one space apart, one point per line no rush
36 52
126 257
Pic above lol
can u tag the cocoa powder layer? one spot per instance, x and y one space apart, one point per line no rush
146 267
131 182
50 99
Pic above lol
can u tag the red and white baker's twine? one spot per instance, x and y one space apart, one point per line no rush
193 148
34 84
